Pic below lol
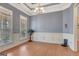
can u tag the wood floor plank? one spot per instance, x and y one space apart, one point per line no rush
40 49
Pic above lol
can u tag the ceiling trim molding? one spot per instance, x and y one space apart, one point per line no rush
52 8
56 8
42 6
21 7
51 4
5 11
27 6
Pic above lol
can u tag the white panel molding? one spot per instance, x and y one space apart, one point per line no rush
55 38
70 38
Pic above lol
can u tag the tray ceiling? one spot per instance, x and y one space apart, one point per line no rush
48 7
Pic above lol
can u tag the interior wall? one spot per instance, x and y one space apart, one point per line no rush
16 27
55 23
68 19
50 22
68 31
16 16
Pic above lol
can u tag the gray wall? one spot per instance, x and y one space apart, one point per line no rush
54 22
16 16
68 19
50 22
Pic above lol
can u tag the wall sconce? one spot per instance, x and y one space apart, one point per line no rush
66 25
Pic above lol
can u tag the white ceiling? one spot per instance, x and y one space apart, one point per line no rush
33 5
49 7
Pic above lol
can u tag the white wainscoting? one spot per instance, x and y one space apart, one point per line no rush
70 38
56 38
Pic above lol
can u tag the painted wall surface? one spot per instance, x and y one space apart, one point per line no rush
68 32
55 23
16 16
68 19
50 22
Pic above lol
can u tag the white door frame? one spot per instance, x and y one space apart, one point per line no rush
75 7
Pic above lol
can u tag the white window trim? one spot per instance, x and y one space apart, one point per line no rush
9 12
25 18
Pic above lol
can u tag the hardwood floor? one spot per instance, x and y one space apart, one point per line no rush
40 49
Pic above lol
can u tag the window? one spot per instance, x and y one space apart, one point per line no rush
23 27
5 26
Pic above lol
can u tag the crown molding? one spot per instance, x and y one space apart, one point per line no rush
52 8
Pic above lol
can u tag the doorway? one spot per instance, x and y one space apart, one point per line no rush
76 26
